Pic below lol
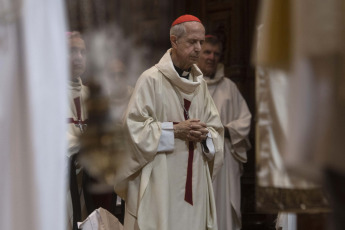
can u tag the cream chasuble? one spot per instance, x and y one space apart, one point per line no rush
76 119
77 115
235 116
153 183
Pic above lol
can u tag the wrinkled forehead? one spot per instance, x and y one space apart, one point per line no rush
194 29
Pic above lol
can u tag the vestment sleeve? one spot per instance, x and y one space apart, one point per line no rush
143 131
208 147
240 126
166 141
73 144
216 131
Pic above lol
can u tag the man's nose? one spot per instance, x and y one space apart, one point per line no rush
212 56
79 55
198 46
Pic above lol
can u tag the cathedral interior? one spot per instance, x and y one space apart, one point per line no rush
146 23
74 122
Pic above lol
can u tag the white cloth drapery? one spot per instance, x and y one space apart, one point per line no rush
100 219
33 100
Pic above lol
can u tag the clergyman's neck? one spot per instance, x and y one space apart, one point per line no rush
176 61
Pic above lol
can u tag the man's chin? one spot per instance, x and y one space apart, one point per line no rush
77 73
211 69
209 72
194 59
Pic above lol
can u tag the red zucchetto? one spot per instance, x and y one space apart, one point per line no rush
185 18
210 36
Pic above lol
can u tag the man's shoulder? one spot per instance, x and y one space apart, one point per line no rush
203 82
227 81
149 78
152 72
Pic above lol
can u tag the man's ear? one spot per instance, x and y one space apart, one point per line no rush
173 40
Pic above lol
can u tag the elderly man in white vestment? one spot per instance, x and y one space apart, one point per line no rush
236 118
77 116
177 141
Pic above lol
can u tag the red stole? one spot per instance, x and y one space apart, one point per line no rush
188 197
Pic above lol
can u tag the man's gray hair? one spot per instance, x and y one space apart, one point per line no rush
178 30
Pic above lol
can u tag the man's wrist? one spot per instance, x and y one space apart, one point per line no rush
176 131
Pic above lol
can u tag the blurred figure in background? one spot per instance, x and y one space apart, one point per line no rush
236 118
110 66
77 91
77 118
